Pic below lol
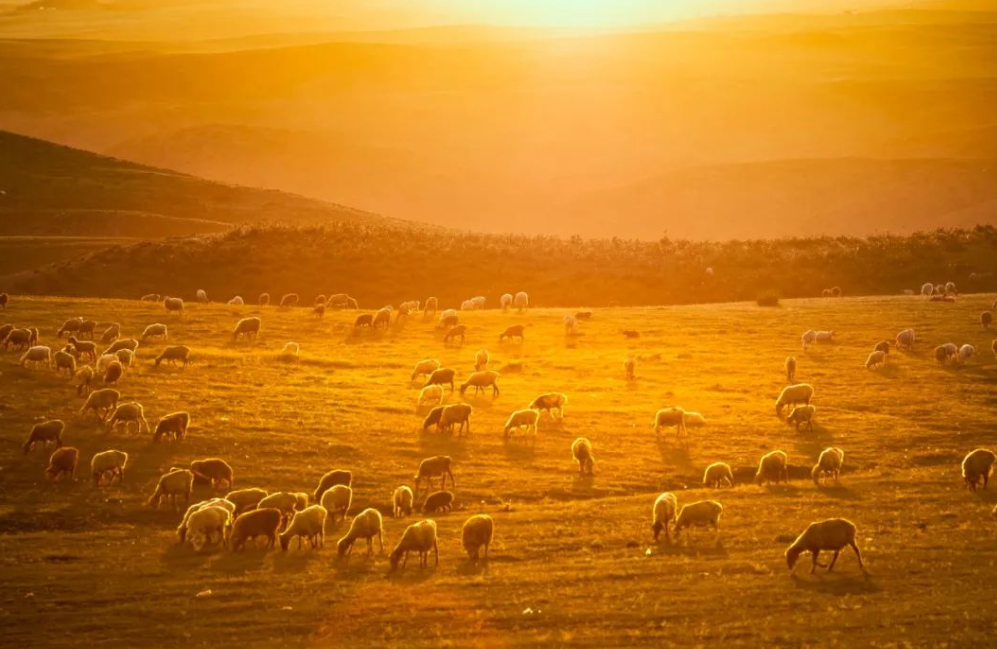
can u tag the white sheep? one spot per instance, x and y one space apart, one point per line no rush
668 417
808 338
222 503
478 302
520 418
82 380
402 500
308 523
718 473
202 296
927 288
800 415
337 500
477 532
105 399
105 462
663 514
875 359
430 395
366 525
699 514
127 414
570 324
966 352
581 450
155 331
506 301
237 301
205 523
521 301
791 395
905 339
481 359
247 327
63 360
773 467
831 534
828 465
824 336
977 465
173 304
418 537
425 367
290 350
35 355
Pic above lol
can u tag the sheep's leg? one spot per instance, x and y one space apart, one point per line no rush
405 559
858 555
834 560
814 563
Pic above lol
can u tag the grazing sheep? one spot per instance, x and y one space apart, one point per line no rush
290 349
521 301
718 473
215 471
69 326
124 357
264 299
432 304
478 302
173 304
366 525
966 352
113 372
105 399
424 367
800 415
201 296
520 418
506 301
82 380
308 524
481 360
289 300
35 355
318 310
442 376
21 338
381 319
205 522
221 503
832 534
337 501
401 501
62 461
4 330
570 325
824 336
927 288
809 338
84 348
287 502
457 331
418 537
87 327
480 381
976 465
105 462
828 465
942 354
791 395
699 514
668 417
236 301
882 346
905 340
950 288
630 333
45 432
434 415
118 345
63 360
456 414
127 414
875 359
986 319
581 451
173 354
255 523
514 331
363 320
151 297
438 501
466 305
477 532
330 480
433 467
773 467
550 402
663 513
630 368
247 327
154 331
177 482
448 319
432 395
246 499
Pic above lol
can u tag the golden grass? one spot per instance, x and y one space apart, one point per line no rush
573 562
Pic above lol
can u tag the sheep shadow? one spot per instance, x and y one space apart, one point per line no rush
181 556
889 371
838 492
520 448
836 584
676 455
356 567
471 568
413 575
249 559
692 547
295 560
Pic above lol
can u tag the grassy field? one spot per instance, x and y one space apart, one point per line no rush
573 562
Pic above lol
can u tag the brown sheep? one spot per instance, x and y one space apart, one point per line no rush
176 482
458 331
481 380
105 399
173 354
330 480
258 522
214 470
84 348
172 425
63 460
442 376
113 372
432 467
364 320
45 432
438 501
289 300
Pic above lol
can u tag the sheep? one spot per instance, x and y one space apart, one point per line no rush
466 305
584 316
424 367
264 299
950 288
128 413
418 537
215 471
22 338
124 357
927 288
478 302
438 501
331 479
699 514
718 473
318 311
521 418
477 532
259 522
4 299
363 320
800 415
570 324
62 461
630 368
84 348
176 482
337 501
432 467
792 395
942 354
105 399
35 355
550 402
236 301
457 331
824 336
976 465
481 360
441 377
4 330
290 349
221 503
459 414
773 467
105 462
246 499
82 380
521 301
432 304
663 513
832 534
667 417
993 348
366 525
173 304
875 359
118 345
247 327
113 372
966 352
336 301
986 319
63 360
206 522
289 300
694 419
151 297
154 331
382 318
506 301
287 502
511 332
431 394
309 523
201 296
481 380
69 326
175 353
401 501
882 346
809 338
45 432
828 464
581 451
434 415
905 340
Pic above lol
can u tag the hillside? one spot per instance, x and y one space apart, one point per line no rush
385 264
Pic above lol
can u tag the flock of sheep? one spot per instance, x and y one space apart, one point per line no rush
245 514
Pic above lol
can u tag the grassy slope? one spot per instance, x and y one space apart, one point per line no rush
573 551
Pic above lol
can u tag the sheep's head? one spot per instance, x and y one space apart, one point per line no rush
344 546
815 474
792 554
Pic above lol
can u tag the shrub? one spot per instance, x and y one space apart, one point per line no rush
768 298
